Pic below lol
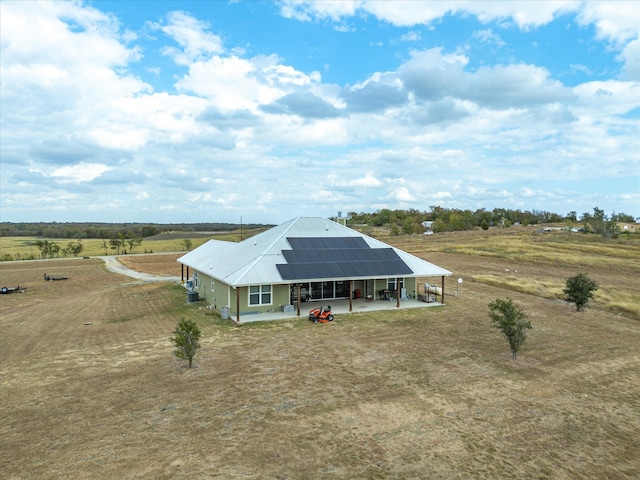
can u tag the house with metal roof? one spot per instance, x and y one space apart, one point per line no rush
307 259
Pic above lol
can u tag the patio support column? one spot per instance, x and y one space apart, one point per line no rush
238 304
182 273
298 297
350 295
443 289
397 292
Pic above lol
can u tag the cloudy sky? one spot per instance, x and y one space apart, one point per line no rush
177 111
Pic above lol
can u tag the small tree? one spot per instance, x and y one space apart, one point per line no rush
73 248
187 244
133 241
509 318
186 340
116 243
47 249
579 290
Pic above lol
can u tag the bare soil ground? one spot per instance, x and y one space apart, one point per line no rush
427 393
163 265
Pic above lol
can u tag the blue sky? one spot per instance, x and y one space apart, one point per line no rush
211 111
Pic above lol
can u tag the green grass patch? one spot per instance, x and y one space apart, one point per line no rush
540 288
24 248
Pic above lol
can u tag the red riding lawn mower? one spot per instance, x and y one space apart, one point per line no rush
321 315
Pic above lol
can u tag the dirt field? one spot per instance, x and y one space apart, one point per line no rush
164 265
413 394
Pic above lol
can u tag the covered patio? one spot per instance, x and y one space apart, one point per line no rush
339 308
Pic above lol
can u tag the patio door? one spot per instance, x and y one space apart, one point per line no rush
315 290
327 290
342 289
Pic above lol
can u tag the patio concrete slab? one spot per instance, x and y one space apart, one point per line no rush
339 307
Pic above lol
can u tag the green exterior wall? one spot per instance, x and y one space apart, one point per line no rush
224 295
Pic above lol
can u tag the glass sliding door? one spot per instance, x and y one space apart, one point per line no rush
316 291
342 289
321 290
327 290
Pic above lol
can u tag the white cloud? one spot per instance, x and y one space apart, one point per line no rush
630 56
604 98
616 21
369 180
410 12
411 36
66 33
82 172
401 194
331 9
192 36
490 37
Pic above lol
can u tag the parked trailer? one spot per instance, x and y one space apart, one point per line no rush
6 290
50 277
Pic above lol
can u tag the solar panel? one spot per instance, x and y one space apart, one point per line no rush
323 243
339 257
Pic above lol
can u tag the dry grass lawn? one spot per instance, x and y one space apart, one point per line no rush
411 394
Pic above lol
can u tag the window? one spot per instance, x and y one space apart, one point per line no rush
391 284
260 295
196 282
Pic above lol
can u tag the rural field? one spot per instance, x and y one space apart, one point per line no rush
25 248
90 387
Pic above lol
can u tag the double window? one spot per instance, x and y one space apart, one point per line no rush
259 295
391 284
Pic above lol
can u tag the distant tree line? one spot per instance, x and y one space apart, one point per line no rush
451 219
398 221
108 231
121 244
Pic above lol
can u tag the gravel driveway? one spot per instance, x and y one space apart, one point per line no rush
113 265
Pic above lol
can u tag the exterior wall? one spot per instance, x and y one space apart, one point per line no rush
410 285
359 285
224 295
279 298
218 297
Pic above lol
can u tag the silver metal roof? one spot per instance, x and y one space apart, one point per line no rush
253 261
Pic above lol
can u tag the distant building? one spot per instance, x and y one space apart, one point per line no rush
628 227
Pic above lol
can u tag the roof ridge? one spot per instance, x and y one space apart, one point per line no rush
250 264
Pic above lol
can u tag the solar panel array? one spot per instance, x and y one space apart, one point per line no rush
321 243
339 257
